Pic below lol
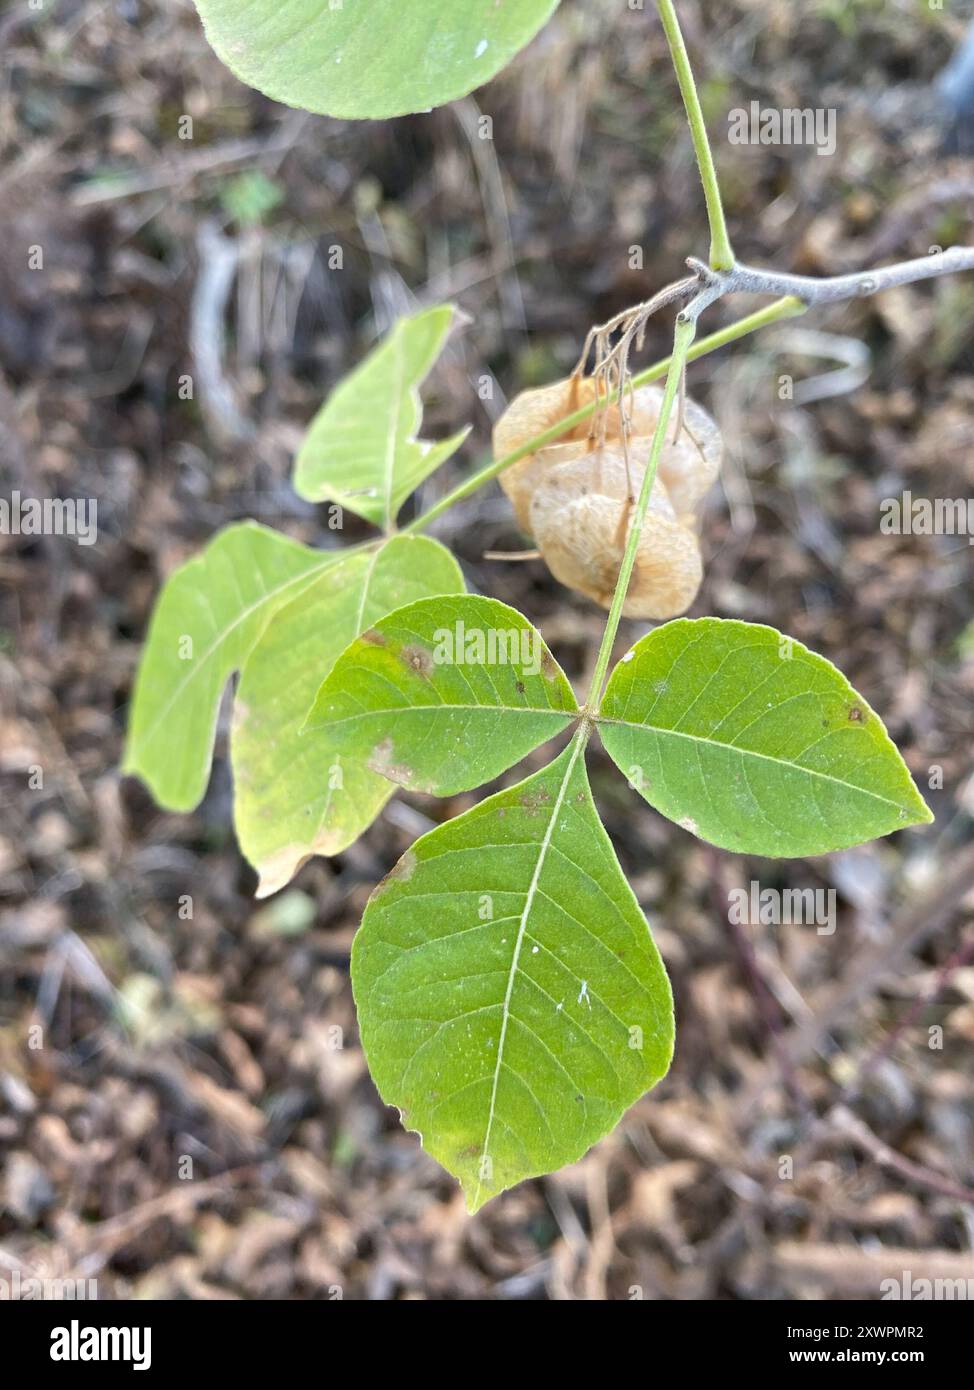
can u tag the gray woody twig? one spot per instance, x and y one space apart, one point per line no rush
811 290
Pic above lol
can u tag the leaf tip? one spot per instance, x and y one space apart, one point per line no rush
918 813
401 872
473 1198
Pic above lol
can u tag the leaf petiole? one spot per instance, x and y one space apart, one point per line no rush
682 339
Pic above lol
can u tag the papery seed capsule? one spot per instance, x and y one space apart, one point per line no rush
689 466
530 414
573 495
580 518
521 486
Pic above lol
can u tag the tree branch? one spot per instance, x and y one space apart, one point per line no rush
831 289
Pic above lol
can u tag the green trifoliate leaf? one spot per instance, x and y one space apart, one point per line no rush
361 448
296 793
752 742
369 58
208 617
444 694
510 998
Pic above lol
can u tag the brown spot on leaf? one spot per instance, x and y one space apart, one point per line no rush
277 869
855 714
401 872
549 667
418 659
374 637
380 761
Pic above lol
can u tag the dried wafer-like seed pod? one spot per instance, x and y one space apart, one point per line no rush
688 465
573 496
532 412
538 467
529 414
580 518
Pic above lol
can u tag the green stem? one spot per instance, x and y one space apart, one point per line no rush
781 309
721 254
682 340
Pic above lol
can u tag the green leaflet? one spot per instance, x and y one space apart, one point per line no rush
299 793
753 742
361 448
444 694
208 616
369 58
510 998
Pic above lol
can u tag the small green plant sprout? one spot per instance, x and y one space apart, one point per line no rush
511 1001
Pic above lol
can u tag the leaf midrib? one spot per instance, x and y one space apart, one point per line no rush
749 753
443 707
543 848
